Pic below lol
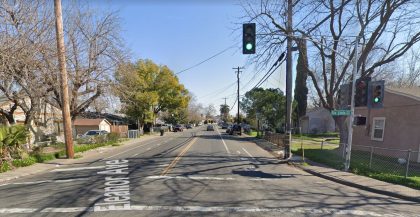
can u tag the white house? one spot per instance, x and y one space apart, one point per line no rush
317 120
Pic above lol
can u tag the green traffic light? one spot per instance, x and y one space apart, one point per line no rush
376 99
248 46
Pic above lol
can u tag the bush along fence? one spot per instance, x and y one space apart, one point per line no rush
15 151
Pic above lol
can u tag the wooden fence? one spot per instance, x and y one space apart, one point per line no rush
122 130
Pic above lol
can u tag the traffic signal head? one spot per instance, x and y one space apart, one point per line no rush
361 97
376 94
248 38
344 96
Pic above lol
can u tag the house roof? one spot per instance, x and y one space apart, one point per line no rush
88 122
411 92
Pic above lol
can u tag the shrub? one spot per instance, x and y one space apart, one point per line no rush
11 139
24 162
4 166
113 137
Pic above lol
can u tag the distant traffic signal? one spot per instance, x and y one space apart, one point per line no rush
376 94
248 38
361 97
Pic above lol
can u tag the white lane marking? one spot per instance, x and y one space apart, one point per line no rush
45 181
299 211
163 165
224 143
191 177
238 152
135 155
149 148
77 169
248 153
17 210
148 143
69 209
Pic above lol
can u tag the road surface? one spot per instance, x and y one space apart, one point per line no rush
190 173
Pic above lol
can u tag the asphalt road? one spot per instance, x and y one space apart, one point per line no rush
193 173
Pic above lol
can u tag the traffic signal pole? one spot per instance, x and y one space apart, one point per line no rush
351 118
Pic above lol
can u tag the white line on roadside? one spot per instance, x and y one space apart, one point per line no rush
224 143
77 169
238 152
295 211
46 181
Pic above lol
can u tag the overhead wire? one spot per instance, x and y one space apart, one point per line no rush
271 71
207 59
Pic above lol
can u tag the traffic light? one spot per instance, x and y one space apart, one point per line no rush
361 97
248 38
344 96
376 94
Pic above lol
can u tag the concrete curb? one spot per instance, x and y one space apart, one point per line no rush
355 185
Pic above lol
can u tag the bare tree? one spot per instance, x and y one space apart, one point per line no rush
94 49
25 39
387 30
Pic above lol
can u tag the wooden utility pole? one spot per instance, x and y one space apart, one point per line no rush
68 137
289 79
237 76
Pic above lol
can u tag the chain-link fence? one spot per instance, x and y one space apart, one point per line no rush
386 160
275 138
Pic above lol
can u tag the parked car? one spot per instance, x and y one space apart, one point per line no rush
236 129
210 128
225 125
178 128
189 126
91 133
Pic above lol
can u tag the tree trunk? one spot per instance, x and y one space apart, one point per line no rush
341 122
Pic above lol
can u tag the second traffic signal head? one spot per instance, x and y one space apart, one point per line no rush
361 97
248 38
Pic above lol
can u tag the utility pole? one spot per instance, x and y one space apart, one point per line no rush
289 80
68 137
351 118
237 76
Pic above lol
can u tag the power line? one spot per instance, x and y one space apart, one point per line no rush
264 78
219 91
215 55
268 75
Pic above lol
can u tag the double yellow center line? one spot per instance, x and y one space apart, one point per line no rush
175 161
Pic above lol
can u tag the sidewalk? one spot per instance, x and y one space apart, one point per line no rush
356 181
346 178
88 156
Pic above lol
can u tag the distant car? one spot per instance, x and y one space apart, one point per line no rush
178 128
225 126
91 133
210 128
189 126
228 129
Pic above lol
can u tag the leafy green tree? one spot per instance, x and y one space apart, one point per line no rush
145 89
269 103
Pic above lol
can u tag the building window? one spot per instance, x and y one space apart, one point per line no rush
378 129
